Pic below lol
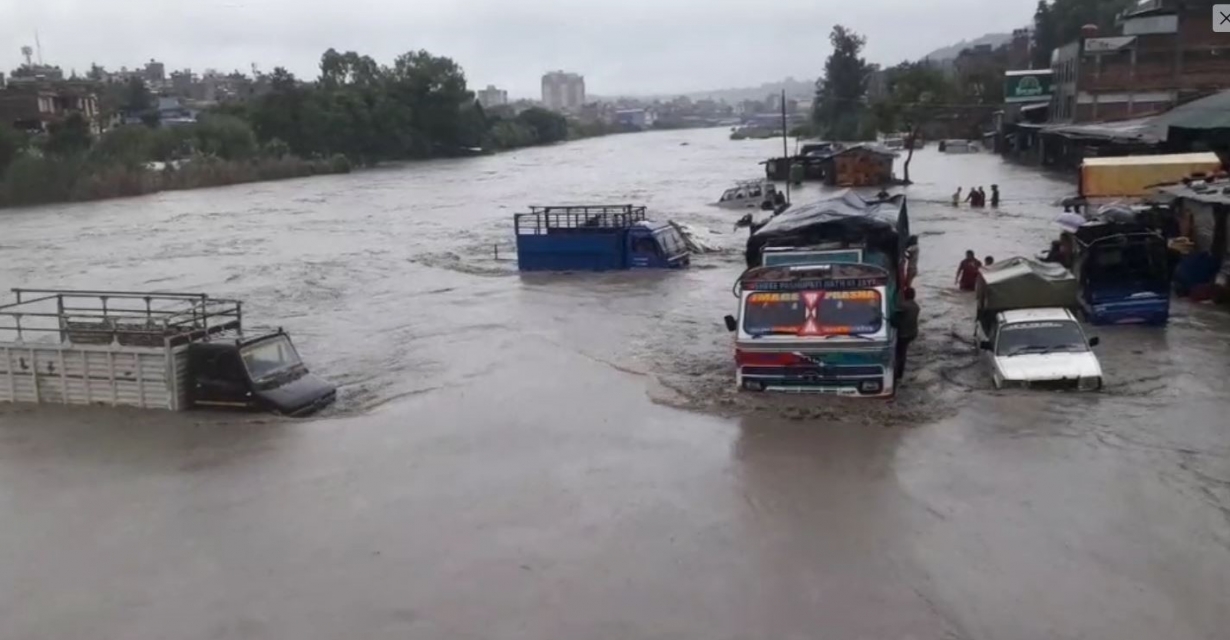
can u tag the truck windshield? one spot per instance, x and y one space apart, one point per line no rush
1024 338
1141 261
269 357
670 242
814 313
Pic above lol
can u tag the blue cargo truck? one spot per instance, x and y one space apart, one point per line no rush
596 238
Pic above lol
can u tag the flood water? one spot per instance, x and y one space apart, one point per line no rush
565 456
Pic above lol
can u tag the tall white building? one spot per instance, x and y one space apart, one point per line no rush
492 97
563 91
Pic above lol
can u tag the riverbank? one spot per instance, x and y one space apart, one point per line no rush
51 180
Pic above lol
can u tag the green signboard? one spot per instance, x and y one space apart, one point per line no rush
1027 86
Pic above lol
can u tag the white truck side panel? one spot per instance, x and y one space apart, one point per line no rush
113 375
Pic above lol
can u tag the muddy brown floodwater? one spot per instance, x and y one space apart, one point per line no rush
564 456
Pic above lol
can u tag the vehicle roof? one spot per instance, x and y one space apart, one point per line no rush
1036 315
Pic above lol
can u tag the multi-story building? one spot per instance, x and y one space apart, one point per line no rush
1166 53
492 97
563 91
1020 48
155 71
34 108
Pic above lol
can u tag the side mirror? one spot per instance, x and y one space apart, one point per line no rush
731 324
1095 341
985 345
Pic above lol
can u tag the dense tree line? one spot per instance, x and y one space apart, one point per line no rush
355 111
1058 22
418 107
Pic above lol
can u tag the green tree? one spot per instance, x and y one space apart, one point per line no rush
839 104
917 93
226 137
12 143
124 145
548 126
137 97
1060 21
70 136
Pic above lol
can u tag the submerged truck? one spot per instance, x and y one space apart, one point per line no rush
172 351
596 238
1123 273
818 303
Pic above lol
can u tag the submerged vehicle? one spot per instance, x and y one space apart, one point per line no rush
959 146
171 351
1123 273
817 305
596 238
750 194
1026 329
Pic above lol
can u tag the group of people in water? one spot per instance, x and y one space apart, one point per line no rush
977 197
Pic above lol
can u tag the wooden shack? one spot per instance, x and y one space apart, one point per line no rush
860 166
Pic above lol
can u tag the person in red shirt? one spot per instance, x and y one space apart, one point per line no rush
967 272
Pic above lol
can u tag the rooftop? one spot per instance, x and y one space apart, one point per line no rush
1037 315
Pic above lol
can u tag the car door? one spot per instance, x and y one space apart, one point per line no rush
221 380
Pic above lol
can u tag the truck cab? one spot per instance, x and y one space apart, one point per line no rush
820 328
1043 348
655 246
262 373
1123 274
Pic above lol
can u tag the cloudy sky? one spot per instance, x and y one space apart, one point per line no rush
622 47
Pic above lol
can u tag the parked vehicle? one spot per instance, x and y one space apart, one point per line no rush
817 306
959 146
750 194
1026 329
596 238
151 350
1123 272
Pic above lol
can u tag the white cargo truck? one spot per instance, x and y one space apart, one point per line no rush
170 351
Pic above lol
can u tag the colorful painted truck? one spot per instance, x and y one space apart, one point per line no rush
818 303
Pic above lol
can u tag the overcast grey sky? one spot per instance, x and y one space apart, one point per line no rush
622 47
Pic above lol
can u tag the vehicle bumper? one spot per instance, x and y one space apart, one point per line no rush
1155 312
867 386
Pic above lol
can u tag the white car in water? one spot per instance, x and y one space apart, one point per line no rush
1039 349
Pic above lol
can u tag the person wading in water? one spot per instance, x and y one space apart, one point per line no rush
967 272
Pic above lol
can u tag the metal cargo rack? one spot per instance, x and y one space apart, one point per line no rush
126 318
120 348
577 219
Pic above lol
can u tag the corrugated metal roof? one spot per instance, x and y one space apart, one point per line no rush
1212 112
1216 192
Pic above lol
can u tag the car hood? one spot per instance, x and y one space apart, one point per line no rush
1049 366
301 396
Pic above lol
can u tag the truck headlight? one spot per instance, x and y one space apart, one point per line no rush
1090 384
870 386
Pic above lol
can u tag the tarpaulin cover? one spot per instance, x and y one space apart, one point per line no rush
1023 283
845 218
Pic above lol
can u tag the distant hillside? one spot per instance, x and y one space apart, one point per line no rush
950 52
794 89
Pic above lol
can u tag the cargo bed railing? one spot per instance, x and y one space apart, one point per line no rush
129 318
563 219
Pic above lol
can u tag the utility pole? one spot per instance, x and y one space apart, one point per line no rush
785 148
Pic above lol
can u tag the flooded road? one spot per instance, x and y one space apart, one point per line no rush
564 456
